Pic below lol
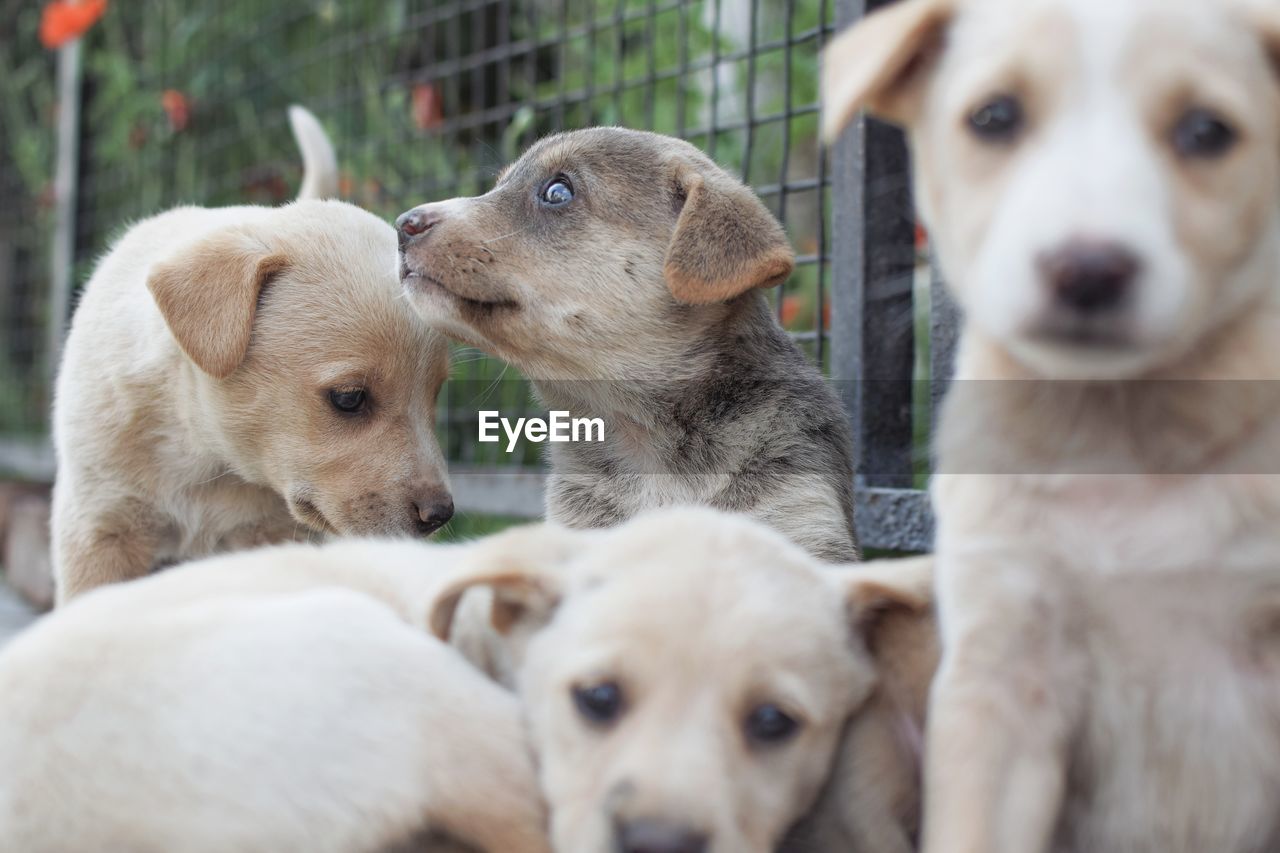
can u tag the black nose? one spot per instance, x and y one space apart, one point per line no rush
655 836
413 223
1088 277
430 517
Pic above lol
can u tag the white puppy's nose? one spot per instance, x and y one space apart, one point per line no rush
655 836
1089 277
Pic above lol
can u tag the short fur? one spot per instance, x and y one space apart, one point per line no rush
873 801
639 302
192 412
280 699
700 617
1154 402
1202 645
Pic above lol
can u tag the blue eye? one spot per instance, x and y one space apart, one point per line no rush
557 193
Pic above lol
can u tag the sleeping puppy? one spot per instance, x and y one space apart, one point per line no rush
623 273
686 675
244 375
1102 185
287 698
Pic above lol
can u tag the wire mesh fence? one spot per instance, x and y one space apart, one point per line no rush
185 102
26 213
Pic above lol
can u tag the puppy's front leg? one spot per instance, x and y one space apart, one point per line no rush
90 551
1000 717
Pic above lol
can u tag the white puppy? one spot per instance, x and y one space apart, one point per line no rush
281 699
244 375
687 675
1101 180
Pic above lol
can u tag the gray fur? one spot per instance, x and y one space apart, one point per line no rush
756 432
641 302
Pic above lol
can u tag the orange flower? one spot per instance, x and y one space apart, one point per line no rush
177 108
790 310
66 20
428 109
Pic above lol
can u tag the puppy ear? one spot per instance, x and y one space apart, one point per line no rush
726 241
208 295
873 590
1264 15
522 567
876 63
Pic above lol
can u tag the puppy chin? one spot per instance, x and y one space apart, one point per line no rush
433 304
443 314
1061 358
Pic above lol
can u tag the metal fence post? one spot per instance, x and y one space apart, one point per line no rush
873 317
65 189
873 336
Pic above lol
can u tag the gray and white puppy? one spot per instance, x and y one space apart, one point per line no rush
622 272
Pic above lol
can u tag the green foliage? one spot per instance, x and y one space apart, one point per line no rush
465 526
185 103
27 132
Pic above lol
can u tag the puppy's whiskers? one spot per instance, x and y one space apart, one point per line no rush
488 392
504 236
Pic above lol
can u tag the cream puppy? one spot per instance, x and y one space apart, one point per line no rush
244 375
1101 182
687 675
286 698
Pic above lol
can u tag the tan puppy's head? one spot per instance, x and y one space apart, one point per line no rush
590 242
1100 178
688 677
310 370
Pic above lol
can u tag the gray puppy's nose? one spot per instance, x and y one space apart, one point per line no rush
655 836
420 220
1089 277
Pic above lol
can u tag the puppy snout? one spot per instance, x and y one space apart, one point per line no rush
655 836
431 512
416 222
1090 277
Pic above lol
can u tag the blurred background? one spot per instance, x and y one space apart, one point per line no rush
178 101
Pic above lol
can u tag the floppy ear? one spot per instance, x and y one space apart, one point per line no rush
208 295
873 590
522 567
726 241
876 63
1264 15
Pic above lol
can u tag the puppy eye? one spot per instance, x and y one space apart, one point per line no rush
557 193
998 120
599 703
1203 134
769 724
348 400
